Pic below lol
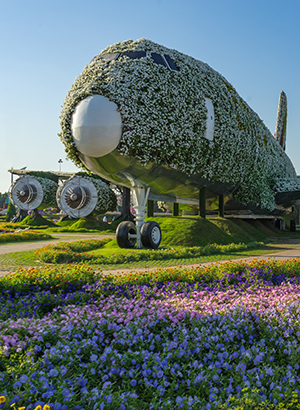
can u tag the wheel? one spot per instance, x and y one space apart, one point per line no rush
124 229
151 235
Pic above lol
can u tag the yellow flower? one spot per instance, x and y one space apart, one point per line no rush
38 407
21 408
46 407
2 399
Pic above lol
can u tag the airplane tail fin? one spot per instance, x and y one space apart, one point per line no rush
281 123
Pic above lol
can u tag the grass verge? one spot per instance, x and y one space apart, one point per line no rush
26 259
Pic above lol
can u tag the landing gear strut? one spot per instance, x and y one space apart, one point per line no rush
144 234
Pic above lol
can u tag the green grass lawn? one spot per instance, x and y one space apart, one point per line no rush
177 232
25 259
196 231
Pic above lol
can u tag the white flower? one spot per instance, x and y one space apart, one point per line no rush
107 200
49 191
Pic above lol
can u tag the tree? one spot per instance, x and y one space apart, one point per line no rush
3 199
11 212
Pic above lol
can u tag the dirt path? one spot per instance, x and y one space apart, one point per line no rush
285 248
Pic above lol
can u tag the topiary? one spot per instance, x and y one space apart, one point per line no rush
11 212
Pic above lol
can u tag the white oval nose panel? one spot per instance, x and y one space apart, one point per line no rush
96 126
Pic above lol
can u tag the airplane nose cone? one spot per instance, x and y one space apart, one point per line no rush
96 126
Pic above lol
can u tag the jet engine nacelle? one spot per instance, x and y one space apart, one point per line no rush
77 197
28 193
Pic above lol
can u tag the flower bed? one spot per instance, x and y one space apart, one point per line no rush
10 227
68 252
10 236
188 339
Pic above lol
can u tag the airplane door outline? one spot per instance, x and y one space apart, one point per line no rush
210 120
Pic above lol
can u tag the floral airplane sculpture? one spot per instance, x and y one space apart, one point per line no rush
153 119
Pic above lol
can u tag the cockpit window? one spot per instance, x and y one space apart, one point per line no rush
158 59
107 57
134 55
164 60
171 63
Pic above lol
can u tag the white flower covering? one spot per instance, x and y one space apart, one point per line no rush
287 185
49 191
164 115
107 200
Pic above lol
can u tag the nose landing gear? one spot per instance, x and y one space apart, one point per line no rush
143 234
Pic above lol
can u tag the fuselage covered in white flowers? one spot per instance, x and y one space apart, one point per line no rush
141 113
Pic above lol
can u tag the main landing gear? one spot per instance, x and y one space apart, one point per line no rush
143 234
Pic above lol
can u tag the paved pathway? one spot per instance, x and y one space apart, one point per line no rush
57 237
28 246
286 248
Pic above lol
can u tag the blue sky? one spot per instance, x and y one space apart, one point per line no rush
46 44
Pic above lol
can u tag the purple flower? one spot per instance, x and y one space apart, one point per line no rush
17 385
172 345
53 373
23 378
93 358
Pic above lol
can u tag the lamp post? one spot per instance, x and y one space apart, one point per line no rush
60 161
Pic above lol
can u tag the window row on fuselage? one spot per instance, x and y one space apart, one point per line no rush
159 59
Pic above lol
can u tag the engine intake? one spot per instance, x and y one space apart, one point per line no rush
26 193
77 197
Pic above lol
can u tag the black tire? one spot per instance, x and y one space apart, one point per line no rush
151 235
123 229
